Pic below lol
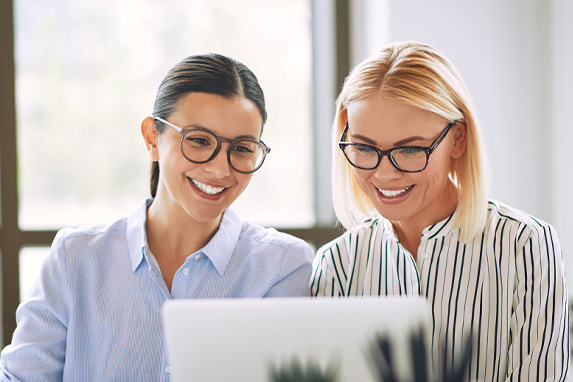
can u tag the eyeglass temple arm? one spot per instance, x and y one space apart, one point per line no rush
442 136
344 131
180 130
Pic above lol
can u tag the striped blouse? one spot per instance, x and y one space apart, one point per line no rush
506 287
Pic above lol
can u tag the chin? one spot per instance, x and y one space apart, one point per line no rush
394 213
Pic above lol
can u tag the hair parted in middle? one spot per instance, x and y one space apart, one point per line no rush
417 75
205 73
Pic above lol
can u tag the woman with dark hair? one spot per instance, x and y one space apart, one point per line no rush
94 313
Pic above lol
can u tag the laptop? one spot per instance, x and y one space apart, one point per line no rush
246 339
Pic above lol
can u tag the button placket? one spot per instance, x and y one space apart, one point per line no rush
423 253
423 263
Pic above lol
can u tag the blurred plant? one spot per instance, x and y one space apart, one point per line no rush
295 372
381 355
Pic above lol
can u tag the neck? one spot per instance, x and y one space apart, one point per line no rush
176 235
172 234
409 231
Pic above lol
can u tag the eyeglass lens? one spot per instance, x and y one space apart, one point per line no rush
406 159
244 155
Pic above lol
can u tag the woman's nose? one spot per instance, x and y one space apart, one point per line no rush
387 170
219 165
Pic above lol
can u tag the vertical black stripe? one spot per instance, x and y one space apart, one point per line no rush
475 304
498 297
340 261
530 318
474 284
479 335
435 257
449 310
456 305
551 285
369 251
315 282
543 301
341 286
381 272
398 257
386 269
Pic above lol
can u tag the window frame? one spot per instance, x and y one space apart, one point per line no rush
331 64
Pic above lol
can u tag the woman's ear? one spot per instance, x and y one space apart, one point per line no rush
460 140
149 133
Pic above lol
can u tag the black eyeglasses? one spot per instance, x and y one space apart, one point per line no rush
200 146
404 158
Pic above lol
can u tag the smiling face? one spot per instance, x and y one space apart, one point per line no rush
203 191
414 199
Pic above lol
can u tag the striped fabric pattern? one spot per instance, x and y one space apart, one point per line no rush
506 287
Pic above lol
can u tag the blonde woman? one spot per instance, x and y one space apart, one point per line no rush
410 187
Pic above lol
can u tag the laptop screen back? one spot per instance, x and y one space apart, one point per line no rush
244 339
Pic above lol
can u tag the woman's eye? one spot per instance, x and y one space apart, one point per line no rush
243 149
198 141
411 152
364 149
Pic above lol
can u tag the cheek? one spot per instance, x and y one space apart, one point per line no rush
243 180
168 151
437 170
170 163
362 177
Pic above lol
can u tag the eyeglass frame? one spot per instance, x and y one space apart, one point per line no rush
184 132
382 153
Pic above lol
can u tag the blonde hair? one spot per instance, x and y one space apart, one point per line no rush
417 75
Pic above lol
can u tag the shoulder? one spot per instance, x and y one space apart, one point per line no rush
89 239
500 213
89 233
269 239
509 223
341 245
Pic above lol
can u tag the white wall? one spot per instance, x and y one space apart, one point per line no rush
515 57
562 140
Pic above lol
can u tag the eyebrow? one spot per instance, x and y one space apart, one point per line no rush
399 143
203 128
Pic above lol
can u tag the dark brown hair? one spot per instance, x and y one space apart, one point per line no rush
208 73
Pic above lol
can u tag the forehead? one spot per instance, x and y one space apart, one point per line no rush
229 117
376 117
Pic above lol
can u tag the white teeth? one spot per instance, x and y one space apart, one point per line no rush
207 189
395 193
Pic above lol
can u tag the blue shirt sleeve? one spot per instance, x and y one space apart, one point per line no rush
295 274
38 348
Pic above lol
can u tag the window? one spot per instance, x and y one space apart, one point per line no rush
85 76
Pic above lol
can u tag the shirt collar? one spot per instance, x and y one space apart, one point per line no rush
221 247
438 229
136 235
441 228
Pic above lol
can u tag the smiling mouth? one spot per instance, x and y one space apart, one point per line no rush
209 190
394 193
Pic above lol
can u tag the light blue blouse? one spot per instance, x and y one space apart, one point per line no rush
94 314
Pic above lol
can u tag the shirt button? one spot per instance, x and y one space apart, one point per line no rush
185 271
424 255
168 369
197 257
